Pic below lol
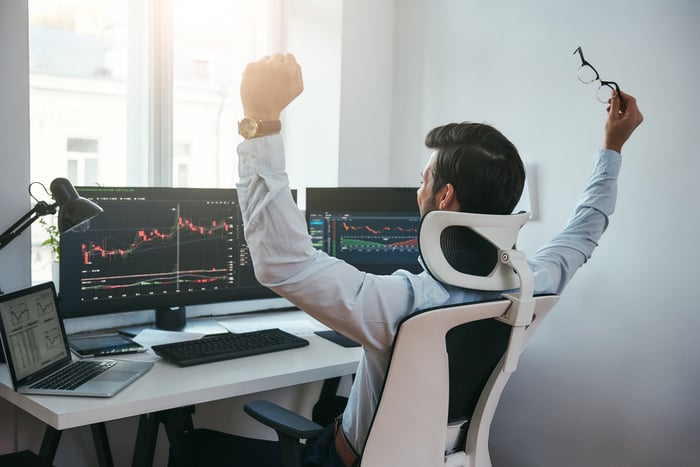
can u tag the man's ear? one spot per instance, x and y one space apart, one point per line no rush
447 198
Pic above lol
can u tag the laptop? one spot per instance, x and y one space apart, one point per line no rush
38 354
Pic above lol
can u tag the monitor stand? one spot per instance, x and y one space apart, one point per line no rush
175 319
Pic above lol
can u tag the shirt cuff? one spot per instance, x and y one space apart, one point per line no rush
609 162
263 155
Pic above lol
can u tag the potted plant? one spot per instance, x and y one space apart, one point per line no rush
53 241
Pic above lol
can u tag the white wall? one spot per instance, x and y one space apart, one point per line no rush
366 93
14 165
342 122
311 130
613 377
14 141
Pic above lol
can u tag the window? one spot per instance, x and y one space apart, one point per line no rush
83 161
139 92
81 145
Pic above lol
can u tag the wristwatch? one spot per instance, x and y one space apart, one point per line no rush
249 127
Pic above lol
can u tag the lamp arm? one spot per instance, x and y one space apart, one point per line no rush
40 209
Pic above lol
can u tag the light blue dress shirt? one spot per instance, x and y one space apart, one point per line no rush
368 307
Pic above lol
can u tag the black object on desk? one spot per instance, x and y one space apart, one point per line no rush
227 346
104 344
335 336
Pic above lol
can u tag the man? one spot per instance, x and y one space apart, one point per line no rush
474 168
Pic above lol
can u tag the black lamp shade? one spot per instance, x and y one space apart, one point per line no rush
74 211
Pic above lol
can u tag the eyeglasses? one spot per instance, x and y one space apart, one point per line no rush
587 74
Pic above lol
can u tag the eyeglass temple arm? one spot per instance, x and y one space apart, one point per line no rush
580 52
585 62
613 84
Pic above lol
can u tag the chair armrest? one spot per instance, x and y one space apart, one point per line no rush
283 421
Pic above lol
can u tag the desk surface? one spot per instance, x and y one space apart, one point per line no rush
168 386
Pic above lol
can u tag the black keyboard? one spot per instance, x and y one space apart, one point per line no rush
227 346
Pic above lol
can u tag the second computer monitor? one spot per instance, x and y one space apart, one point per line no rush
374 229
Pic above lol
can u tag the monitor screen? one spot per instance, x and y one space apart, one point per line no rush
374 229
156 248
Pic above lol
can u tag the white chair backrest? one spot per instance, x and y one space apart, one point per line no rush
412 424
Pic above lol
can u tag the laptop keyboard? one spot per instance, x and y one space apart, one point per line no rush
228 346
74 374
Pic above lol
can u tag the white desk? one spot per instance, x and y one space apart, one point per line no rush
168 386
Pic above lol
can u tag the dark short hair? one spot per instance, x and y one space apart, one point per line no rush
483 166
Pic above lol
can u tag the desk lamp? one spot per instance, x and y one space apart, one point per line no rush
74 211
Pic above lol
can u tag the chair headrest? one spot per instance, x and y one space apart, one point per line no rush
464 249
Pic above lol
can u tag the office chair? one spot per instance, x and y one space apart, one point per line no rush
449 365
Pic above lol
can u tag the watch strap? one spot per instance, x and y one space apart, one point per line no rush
249 127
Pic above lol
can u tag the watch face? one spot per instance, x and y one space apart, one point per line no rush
247 127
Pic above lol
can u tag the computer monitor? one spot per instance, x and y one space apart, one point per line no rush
157 249
374 229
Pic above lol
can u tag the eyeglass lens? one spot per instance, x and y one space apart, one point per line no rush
587 74
604 93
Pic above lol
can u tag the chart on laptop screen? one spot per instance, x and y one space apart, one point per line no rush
33 331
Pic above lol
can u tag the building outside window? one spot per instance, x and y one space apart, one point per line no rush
137 92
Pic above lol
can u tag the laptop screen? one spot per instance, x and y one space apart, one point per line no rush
32 330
